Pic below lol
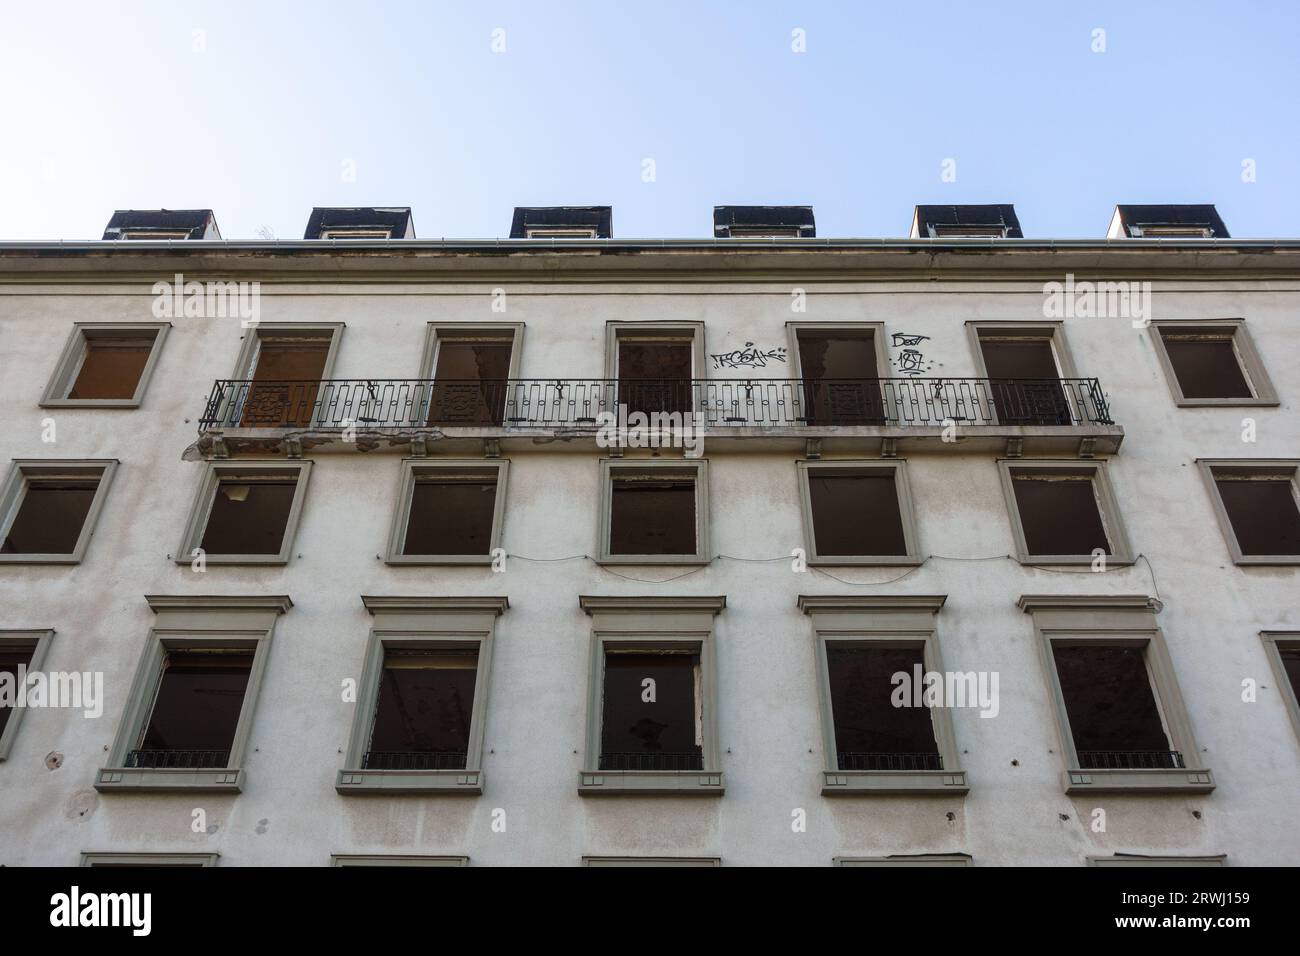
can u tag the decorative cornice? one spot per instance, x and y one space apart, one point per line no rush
1080 602
657 602
391 604
809 603
219 602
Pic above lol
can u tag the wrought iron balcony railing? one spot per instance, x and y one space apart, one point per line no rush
653 760
368 404
889 761
178 759
413 760
1130 760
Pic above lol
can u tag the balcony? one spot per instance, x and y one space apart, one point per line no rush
1017 416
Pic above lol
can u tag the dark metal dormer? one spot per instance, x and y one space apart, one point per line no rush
562 222
1199 221
990 220
162 224
360 222
764 222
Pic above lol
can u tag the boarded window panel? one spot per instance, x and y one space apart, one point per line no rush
198 702
1205 363
425 704
11 658
662 734
652 516
451 515
654 374
51 516
286 380
1109 699
866 721
112 365
1263 513
470 380
856 514
1059 513
249 516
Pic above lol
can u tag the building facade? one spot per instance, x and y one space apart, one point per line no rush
756 549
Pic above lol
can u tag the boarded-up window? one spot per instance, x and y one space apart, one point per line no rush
871 731
12 657
111 364
451 513
422 715
652 514
1024 379
286 379
51 514
856 514
1114 717
470 378
1205 362
1059 512
652 712
196 709
1263 510
840 378
249 514
654 373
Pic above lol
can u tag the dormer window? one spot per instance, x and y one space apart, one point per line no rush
544 233
985 221
968 232
758 232
162 224
360 222
357 234
764 222
1171 232
562 222
1166 222
150 234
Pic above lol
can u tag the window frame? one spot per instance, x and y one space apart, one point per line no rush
395 859
1055 329
1273 645
1125 620
652 861
1279 466
438 331
560 232
889 408
906 511
1249 360
347 232
14 491
885 621
410 470
907 859
183 622
73 357
1108 511
423 622
616 328
39 639
231 409
608 467
1163 860
658 622
149 859
201 509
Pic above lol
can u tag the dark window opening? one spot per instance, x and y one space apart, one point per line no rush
856 514
471 378
1263 512
1025 380
871 732
652 726
249 515
1205 363
195 710
654 374
1290 666
286 380
451 514
424 708
840 378
51 515
1059 513
652 516
1114 717
13 657
111 365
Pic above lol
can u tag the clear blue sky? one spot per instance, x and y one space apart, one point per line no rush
108 105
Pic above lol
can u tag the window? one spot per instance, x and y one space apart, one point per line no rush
878 738
857 512
190 709
246 512
1063 512
990 231
651 702
907 859
763 232
1025 364
1283 650
1211 362
279 376
654 511
839 367
421 706
559 233
21 653
150 859
1171 232
1257 503
155 234
357 234
651 861
348 859
49 507
1121 718
105 365
449 512
1139 859
655 365
472 366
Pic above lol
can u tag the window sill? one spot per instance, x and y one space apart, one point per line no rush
670 559
468 782
237 559
1267 560
702 783
1111 560
40 559
838 783
437 559
1227 402
145 780
867 560
1165 780
90 403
